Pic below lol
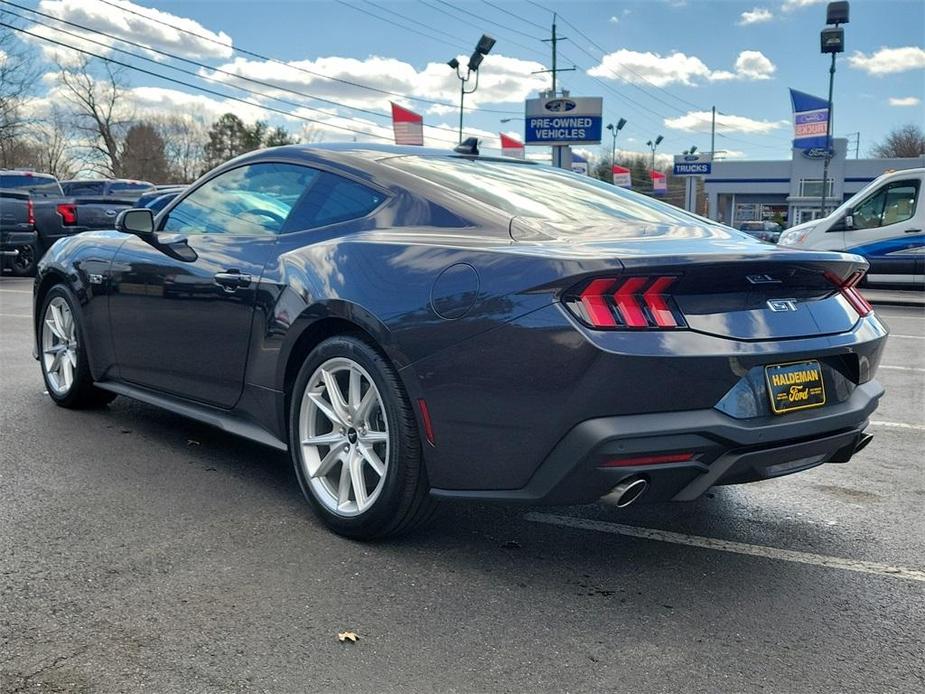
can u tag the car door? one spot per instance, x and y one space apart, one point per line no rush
887 230
181 305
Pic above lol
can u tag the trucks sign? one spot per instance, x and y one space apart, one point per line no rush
563 121
693 164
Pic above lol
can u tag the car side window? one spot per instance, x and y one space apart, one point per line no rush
867 215
251 200
892 204
901 199
331 200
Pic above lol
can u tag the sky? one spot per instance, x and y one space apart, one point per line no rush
660 64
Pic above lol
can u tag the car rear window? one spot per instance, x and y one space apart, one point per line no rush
83 187
35 184
122 186
535 190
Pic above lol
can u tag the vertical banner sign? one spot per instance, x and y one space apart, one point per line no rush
408 126
659 182
621 177
511 147
810 114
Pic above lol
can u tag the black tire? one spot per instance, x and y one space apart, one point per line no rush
82 394
23 264
404 501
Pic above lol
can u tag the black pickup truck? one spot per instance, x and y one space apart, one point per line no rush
34 213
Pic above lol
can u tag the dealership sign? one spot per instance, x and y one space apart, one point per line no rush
693 164
622 177
563 121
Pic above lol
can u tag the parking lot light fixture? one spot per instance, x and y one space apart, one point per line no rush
653 145
614 129
832 41
482 48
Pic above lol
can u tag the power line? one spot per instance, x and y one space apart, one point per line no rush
516 16
299 68
191 86
430 36
189 61
467 17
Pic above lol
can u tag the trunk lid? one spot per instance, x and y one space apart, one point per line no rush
726 283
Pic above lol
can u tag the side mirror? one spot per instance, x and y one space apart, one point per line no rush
138 221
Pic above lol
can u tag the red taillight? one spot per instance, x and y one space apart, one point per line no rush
628 302
849 290
30 212
649 460
68 213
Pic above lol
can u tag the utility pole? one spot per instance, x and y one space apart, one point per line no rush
561 154
713 133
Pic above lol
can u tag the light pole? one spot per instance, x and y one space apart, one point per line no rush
614 129
831 40
653 144
482 49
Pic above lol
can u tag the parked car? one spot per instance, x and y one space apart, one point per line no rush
414 325
883 222
158 198
766 231
119 188
37 200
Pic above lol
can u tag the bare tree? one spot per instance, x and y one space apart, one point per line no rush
100 113
905 141
18 75
185 138
53 146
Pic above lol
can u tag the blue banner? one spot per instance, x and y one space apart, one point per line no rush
810 116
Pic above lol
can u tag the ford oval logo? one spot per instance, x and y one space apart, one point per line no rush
560 105
691 157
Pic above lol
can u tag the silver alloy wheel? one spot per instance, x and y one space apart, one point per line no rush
344 439
59 345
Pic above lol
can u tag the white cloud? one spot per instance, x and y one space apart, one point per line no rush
701 121
614 20
791 5
501 80
110 20
905 101
654 68
889 60
755 16
754 65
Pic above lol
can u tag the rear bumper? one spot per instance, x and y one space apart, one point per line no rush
725 450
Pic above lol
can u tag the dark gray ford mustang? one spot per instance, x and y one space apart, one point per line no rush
414 325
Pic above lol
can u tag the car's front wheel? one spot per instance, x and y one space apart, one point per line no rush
23 263
63 355
354 442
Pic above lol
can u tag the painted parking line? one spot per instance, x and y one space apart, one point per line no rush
898 425
890 367
15 315
867 567
16 291
907 337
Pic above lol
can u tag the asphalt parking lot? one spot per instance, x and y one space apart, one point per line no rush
141 551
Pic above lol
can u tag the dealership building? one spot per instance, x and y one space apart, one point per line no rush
790 191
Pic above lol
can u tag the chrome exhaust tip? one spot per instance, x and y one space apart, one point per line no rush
629 490
863 440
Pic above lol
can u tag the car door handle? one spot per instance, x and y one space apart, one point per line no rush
231 280
913 231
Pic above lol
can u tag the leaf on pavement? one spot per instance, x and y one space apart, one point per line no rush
347 636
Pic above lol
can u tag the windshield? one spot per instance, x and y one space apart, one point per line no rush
853 200
36 185
544 192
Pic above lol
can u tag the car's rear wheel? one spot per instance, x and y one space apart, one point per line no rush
354 442
63 354
23 263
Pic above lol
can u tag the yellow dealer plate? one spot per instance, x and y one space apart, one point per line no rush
795 386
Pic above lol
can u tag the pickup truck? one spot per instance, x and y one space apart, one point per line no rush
34 213
126 189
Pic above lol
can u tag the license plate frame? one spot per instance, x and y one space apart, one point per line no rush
795 386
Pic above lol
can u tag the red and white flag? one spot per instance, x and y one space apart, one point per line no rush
511 147
621 177
659 182
408 126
